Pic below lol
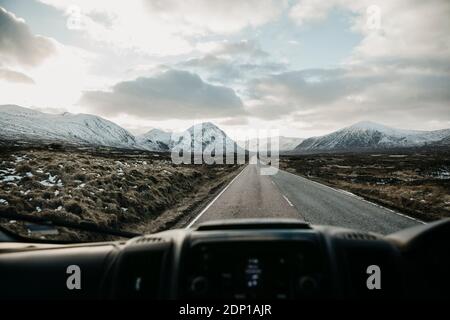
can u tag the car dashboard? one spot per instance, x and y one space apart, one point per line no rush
235 259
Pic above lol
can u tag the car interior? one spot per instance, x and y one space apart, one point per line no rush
235 259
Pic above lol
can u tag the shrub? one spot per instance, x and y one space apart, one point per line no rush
73 207
23 168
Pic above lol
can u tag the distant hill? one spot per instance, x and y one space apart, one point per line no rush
284 143
372 136
22 124
156 140
206 136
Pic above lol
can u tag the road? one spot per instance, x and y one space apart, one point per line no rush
285 195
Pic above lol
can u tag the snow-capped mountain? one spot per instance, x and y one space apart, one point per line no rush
155 140
444 142
369 135
284 143
23 124
18 124
204 136
289 143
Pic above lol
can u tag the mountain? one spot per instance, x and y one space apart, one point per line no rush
22 124
155 140
289 143
444 142
202 136
370 136
18 125
284 143
205 136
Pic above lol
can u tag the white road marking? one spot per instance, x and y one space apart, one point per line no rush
214 200
286 198
360 198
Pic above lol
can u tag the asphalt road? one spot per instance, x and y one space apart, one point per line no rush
285 195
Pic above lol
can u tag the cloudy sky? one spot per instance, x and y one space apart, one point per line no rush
304 67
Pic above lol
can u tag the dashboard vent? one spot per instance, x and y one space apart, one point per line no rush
253 224
147 240
358 236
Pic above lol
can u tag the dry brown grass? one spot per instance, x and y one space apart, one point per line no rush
111 190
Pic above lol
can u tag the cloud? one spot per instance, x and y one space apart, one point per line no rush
167 27
15 76
412 34
346 95
230 63
219 16
26 58
172 94
230 71
410 30
18 45
57 81
305 88
213 68
207 62
305 11
226 48
398 74
123 27
237 121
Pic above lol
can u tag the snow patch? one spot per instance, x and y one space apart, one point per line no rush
10 178
51 181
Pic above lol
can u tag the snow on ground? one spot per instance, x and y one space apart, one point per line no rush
52 181
10 178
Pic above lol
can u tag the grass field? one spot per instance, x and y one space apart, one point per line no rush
136 191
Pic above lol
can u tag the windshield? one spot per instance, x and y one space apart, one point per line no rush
150 115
